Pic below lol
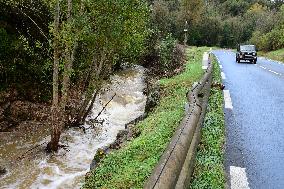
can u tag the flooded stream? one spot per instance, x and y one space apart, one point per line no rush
67 168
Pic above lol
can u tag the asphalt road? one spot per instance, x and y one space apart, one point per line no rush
254 112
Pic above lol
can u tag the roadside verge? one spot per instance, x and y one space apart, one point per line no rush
277 55
209 167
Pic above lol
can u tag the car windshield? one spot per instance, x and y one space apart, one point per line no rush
247 48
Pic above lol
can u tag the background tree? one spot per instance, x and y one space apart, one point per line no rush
25 55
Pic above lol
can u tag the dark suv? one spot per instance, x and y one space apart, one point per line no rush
246 52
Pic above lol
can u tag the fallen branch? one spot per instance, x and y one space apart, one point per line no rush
102 112
105 107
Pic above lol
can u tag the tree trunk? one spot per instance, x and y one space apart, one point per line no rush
87 93
56 130
95 71
67 69
91 105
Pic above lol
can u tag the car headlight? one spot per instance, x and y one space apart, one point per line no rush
253 54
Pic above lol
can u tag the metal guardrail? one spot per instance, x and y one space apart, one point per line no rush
175 167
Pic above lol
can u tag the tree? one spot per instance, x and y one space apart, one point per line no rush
25 58
103 33
191 11
161 17
55 110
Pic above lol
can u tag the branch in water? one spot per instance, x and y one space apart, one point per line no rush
102 111
105 106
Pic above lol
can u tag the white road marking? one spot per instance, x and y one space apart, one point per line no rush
270 70
218 60
273 72
238 178
270 60
228 100
223 75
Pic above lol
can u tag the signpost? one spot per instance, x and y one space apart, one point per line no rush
185 33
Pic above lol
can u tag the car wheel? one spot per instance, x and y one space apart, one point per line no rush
254 61
239 60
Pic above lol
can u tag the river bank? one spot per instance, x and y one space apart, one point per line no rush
130 166
66 169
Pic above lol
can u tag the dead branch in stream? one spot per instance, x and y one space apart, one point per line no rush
104 107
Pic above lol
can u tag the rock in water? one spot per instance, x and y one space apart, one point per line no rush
3 171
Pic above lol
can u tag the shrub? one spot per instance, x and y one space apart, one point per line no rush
164 57
166 48
270 41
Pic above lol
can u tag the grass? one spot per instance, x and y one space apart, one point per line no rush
209 169
130 166
274 55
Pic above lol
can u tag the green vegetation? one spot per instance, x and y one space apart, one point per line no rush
24 55
224 23
209 168
269 35
110 32
123 31
274 55
130 166
48 46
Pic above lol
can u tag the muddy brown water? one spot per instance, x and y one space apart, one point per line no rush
67 168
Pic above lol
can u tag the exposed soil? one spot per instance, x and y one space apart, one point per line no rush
20 115
16 114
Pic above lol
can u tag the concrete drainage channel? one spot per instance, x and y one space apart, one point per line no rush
176 165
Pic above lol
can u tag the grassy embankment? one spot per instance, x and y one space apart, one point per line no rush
274 55
130 166
209 170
